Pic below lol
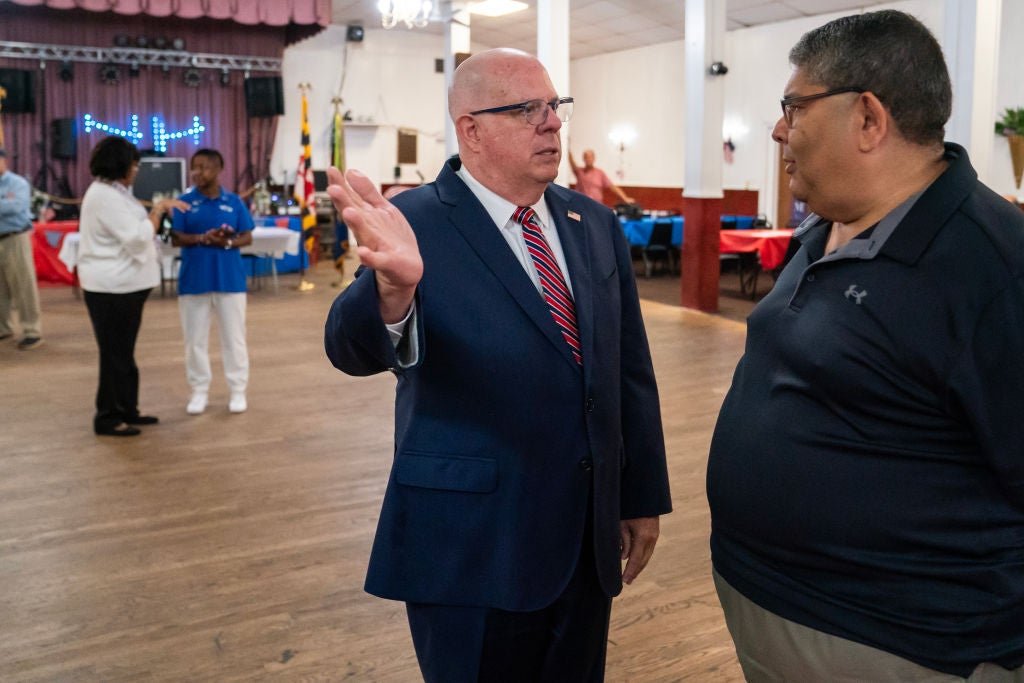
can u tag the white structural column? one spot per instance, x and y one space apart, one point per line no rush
553 52
971 46
705 44
456 39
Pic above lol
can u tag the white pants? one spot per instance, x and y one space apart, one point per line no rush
195 323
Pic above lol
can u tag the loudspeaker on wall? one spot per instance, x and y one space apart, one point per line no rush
63 134
354 34
21 91
264 96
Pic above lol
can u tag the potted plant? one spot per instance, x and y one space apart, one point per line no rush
1012 126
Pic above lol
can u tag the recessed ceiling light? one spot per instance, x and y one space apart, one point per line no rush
496 8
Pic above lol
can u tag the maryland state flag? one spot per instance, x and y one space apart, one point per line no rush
304 183
338 161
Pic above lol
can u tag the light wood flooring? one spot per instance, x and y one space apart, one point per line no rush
232 547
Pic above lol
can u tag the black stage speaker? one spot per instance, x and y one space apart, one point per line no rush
20 85
264 96
62 138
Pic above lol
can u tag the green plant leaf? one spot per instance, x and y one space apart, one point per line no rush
1011 122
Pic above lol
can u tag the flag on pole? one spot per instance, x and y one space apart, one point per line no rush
304 181
338 139
338 161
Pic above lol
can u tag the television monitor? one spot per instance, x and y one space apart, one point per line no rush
160 175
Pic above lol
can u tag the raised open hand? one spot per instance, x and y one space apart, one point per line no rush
386 241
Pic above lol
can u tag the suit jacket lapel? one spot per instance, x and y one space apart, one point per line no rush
473 223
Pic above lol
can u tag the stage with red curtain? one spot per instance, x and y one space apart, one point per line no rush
258 28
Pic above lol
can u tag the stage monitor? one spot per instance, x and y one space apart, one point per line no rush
160 175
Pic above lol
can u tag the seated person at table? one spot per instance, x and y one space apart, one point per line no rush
212 277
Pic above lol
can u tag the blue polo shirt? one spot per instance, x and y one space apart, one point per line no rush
207 269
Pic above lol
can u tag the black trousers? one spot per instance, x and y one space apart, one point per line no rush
116 319
565 642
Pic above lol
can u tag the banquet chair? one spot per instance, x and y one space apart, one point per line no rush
659 248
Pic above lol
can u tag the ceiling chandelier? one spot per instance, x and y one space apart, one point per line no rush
413 13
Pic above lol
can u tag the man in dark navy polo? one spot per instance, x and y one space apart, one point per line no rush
212 278
866 476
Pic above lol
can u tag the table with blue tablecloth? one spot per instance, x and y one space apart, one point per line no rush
638 232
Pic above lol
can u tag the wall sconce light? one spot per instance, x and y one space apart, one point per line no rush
622 136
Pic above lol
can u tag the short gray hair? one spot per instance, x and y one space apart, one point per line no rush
890 54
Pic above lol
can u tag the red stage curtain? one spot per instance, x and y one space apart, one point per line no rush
250 12
221 109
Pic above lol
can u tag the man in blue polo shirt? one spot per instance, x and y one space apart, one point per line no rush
866 476
212 278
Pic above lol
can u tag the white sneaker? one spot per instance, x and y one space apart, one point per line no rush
197 404
237 403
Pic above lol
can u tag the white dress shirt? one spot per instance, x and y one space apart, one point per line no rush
500 210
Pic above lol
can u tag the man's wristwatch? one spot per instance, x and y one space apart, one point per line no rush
228 245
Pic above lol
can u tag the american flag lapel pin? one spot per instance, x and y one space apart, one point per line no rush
575 216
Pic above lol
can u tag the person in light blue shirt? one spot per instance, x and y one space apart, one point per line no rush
212 278
17 269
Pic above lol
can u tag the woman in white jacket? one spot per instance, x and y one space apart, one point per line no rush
117 267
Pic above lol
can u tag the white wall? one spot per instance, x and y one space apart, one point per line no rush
1009 93
391 81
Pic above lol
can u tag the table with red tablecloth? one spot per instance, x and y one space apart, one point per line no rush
770 246
47 239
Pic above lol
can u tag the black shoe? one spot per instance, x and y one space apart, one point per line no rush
6 335
142 420
30 343
120 430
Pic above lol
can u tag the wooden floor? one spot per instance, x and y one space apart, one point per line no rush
232 547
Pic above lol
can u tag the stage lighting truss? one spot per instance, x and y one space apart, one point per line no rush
164 59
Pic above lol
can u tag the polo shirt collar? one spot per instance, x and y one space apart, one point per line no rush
927 211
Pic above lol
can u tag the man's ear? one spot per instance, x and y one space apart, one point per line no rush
874 121
468 131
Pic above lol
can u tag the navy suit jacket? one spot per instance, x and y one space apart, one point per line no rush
500 437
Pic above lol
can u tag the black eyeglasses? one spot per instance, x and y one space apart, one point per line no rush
789 103
535 111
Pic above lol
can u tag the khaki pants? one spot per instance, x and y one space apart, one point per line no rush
775 650
18 285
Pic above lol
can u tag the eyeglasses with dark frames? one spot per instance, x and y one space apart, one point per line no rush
789 103
535 111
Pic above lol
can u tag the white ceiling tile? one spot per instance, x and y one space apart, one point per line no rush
598 26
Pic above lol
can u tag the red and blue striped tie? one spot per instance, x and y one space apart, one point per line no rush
556 292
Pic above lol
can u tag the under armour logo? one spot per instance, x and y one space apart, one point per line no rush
852 293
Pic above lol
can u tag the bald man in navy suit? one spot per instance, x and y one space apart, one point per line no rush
529 458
